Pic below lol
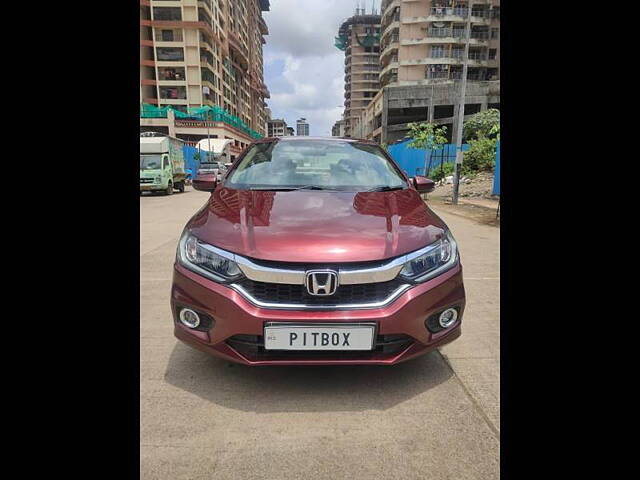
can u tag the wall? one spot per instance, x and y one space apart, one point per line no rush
496 175
412 160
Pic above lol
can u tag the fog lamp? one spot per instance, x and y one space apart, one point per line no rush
448 317
189 318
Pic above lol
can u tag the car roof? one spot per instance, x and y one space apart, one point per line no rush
307 138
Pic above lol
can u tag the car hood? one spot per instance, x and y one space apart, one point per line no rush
316 226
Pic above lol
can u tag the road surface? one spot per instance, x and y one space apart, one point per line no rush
435 417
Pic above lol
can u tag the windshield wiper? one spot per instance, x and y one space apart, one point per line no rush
385 188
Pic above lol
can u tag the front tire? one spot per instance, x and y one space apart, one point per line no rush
169 190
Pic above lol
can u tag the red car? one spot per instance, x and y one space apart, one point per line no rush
316 251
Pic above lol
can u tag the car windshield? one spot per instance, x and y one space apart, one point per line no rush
317 164
150 162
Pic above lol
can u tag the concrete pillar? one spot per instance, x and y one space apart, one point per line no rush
454 127
385 115
171 120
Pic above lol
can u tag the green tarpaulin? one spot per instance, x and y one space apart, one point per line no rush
213 114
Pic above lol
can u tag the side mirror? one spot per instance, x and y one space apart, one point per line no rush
423 184
205 183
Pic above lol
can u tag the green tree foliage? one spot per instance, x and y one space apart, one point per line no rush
481 155
481 132
482 123
427 136
438 173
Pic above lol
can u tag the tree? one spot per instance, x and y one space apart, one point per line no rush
482 124
481 155
427 136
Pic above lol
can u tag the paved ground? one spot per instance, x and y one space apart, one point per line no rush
436 417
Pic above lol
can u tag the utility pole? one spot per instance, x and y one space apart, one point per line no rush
429 120
463 92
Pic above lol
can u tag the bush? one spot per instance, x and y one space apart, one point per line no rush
486 123
439 172
481 156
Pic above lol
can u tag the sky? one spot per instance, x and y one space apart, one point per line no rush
303 69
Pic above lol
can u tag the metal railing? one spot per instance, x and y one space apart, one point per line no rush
478 56
479 35
436 75
444 11
439 32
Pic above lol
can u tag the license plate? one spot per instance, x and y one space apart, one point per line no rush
319 336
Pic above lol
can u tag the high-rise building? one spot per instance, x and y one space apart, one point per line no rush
359 38
277 127
421 59
302 127
338 129
196 53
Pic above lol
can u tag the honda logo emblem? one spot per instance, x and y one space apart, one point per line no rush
321 282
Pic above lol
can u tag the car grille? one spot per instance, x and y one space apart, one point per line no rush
252 346
362 293
146 180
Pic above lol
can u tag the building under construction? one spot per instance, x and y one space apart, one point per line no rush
359 38
422 45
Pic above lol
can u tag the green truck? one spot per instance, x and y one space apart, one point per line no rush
161 165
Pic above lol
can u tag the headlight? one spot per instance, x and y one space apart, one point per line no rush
157 180
207 260
436 259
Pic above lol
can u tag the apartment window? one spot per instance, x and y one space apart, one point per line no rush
173 93
437 51
171 73
437 71
461 10
167 13
458 31
457 52
208 76
480 33
492 53
170 54
169 35
494 33
479 11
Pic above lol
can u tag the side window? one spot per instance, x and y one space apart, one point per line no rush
165 162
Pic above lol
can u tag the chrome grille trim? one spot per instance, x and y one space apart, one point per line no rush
260 273
300 306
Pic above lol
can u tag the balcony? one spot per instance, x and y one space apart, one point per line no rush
452 14
391 66
168 36
264 30
236 44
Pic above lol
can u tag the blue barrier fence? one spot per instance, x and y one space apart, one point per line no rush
496 175
189 161
412 160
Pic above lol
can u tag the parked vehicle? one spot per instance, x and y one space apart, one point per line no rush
223 168
161 164
214 153
316 251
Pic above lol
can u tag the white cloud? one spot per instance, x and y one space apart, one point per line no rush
311 84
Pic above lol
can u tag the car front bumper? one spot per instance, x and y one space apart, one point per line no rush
401 331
